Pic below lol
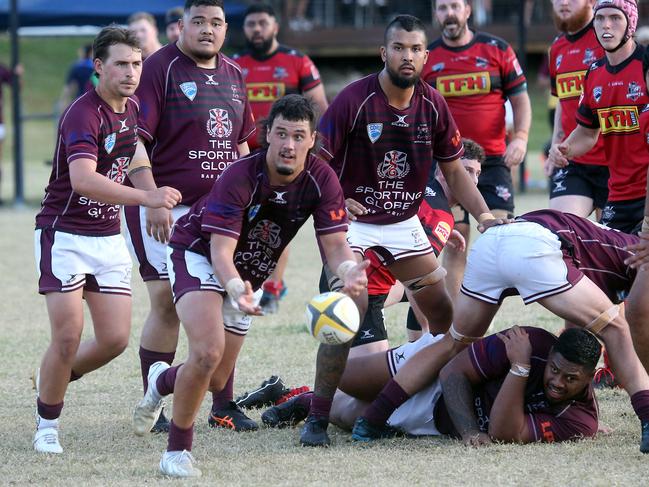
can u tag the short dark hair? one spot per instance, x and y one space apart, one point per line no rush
142 16
173 15
580 347
260 8
111 35
408 23
473 150
203 3
291 107
466 2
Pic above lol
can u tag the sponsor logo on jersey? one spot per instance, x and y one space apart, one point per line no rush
337 215
430 192
374 131
558 61
437 67
236 93
252 212
189 89
634 92
400 121
517 67
265 92
314 72
280 72
619 119
570 85
279 198
210 80
597 93
117 172
481 62
465 84
109 142
442 231
423 134
219 124
122 126
589 57
267 232
394 166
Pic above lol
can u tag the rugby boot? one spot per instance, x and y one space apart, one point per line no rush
231 417
314 432
265 395
365 431
288 413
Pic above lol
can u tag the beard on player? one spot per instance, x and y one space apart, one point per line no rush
459 31
401 81
575 22
259 46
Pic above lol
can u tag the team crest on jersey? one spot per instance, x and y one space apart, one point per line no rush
189 89
423 134
280 72
437 67
252 212
219 124
597 93
634 92
557 63
267 232
481 62
589 57
395 165
117 172
400 121
374 131
109 143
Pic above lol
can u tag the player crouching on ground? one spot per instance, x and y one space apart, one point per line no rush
235 235
522 385
80 253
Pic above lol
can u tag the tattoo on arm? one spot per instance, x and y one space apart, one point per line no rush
330 366
458 396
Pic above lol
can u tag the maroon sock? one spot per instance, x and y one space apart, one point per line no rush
48 411
390 398
180 439
148 358
320 406
74 376
304 400
221 400
166 381
640 403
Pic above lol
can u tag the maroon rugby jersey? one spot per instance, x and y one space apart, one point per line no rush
383 155
574 419
263 218
612 101
268 78
6 76
89 129
597 251
570 57
192 119
475 79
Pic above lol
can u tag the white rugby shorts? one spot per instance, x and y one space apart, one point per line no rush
390 242
66 262
415 416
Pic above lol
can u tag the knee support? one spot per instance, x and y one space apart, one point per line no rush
418 283
599 323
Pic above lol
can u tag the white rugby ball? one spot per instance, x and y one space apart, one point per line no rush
332 318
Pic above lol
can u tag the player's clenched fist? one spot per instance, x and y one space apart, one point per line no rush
164 197
558 155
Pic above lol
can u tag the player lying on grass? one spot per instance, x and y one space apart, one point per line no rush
522 385
226 247
573 267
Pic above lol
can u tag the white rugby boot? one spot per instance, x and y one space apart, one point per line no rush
179 464
148 410
46 438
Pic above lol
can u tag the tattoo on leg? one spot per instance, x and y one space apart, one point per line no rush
330 366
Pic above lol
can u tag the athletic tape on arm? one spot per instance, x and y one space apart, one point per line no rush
599 323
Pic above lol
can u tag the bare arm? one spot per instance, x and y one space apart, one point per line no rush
557 133
318 97
522 109
580 141
337 252
243 149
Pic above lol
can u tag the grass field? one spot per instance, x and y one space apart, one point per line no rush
100 448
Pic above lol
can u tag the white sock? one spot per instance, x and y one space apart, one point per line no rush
42 423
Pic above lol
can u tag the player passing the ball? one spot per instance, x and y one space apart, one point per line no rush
226 246
80 253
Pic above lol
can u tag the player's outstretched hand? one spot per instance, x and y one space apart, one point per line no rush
476 439
482 227
163 197
517 344
515 152
558 155
356 279
158 224
246 302
354 209
640 257
456 240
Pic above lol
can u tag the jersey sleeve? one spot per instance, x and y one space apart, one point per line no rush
309 76
225 205
248 127
447 145
514 81
151 94
552 71
330 215
585 115
571 423
333 127
489 357
80 134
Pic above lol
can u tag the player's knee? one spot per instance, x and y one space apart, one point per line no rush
116 345
66 346
207 359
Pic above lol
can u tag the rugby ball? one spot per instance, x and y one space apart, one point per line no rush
332 318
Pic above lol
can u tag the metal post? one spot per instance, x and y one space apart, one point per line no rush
17 109
522 59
